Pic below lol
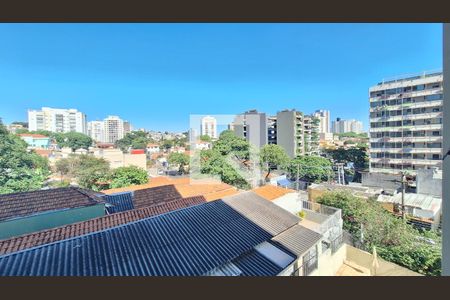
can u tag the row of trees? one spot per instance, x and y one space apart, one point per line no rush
140 139
20 170
72 140
214 161
373 226
94 173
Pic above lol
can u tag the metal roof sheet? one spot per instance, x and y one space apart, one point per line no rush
297 239
119 202
189 241
254 263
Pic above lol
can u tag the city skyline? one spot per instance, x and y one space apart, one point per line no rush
156 75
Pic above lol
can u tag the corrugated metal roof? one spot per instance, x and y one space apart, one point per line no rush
119 202
297 239
81 228
189 241
265 214
255 264
426 202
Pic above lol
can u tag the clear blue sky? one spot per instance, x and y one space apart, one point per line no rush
155 75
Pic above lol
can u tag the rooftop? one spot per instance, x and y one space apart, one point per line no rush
33 135
272 192
24 204
186 187
236 235
93 225
421 201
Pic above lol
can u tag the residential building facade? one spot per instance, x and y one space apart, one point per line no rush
96 130
113 129
406 123
324 117
57 120
209 127
251 125
343 126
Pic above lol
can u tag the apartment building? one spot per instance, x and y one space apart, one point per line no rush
113 129
96 130
272 130
209 127
297 133
127 127
406 123
251 125
343 126
57 120
324 117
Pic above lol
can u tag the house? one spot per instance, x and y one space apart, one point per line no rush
26 212
153 148
316 190
423 211
201 145
240 235
38 141
117 158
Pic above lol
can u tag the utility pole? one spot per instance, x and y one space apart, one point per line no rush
403 195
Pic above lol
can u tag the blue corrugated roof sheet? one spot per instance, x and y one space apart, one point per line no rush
255 264
190 241
119 202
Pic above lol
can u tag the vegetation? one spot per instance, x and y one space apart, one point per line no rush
273 156
310 168
357 155
167 144
20 170
205 138
134 140
352 135
95 174
181 160
125 176
394 239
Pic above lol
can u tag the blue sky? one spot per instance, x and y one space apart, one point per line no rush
156 75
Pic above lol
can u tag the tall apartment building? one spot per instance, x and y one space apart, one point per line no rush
127 128
296 133
271 130
209 127
113 129
251 125
343 126
406 123
57 120
96 130
324 117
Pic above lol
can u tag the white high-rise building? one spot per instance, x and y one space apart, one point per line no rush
343 126
209 126
57 120
324 117
96 130
113 129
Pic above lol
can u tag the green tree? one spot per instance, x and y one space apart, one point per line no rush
310 168
229 143
214 163
167 144
20 170
395 240
205 138
73 140
181 160
357 155
273 156
134 139
22 130
126 176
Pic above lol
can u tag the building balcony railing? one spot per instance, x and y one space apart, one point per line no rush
400 139
412 150
429 115
407 94
409 127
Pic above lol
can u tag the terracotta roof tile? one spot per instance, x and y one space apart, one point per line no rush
272 192
93 225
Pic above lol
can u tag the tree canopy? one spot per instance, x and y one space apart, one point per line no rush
180 159
273 156
205 138
125 176
310 168
394 239
74 140
135 140
20 170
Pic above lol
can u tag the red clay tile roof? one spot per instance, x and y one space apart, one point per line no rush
29 203
76 229
211 190
272 192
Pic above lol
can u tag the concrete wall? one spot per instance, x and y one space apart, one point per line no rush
428 183
365 259
256 129
286 132
48 220
381 180
329 264
289 202
138 160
